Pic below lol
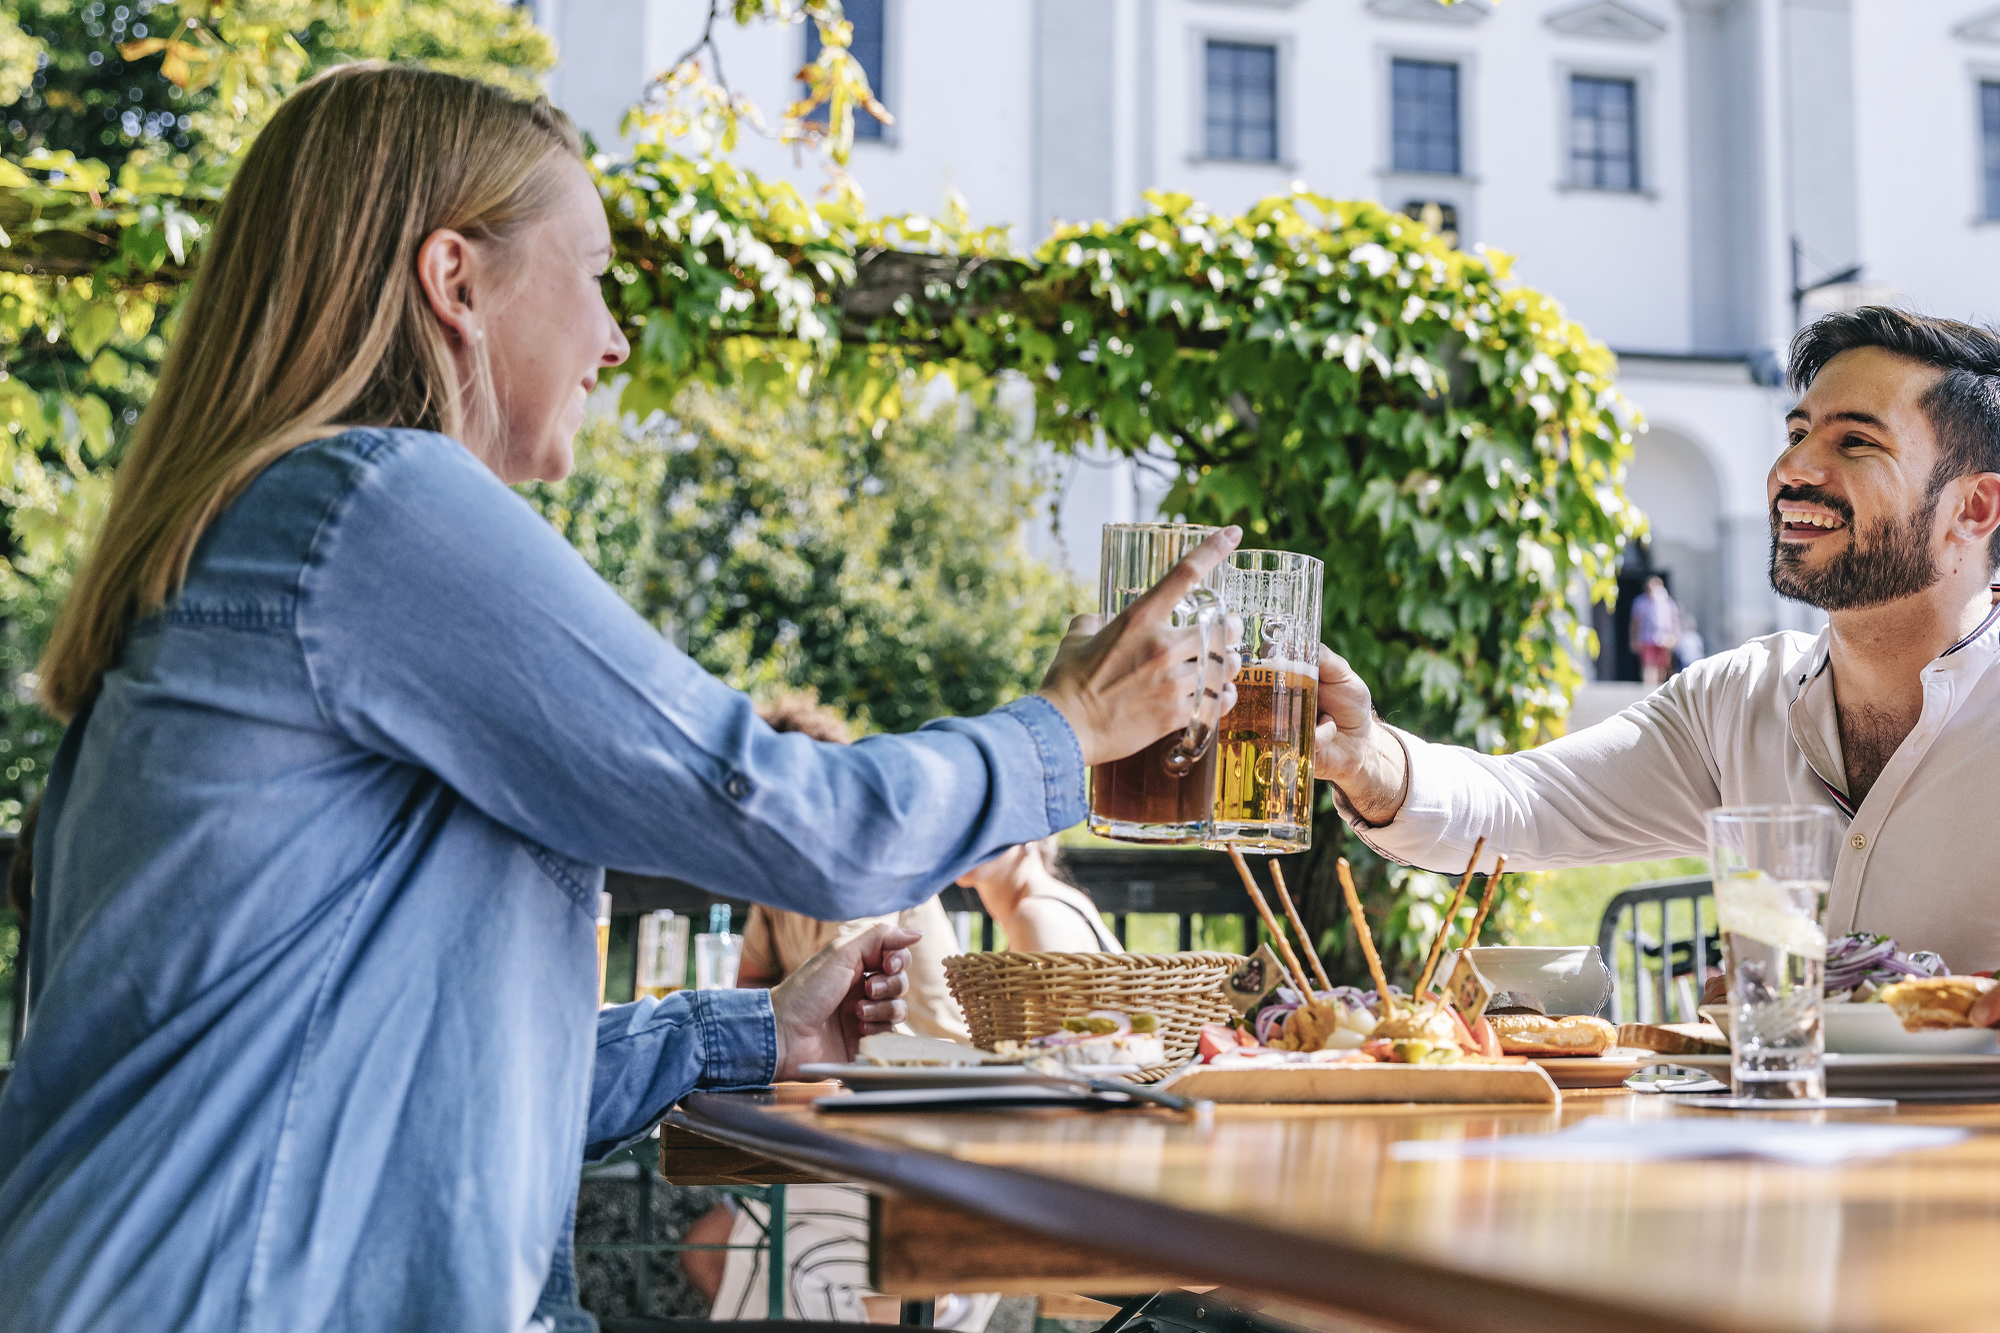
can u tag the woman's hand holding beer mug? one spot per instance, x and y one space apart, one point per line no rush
1124 684
1352 749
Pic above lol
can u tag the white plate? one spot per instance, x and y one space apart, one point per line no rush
1874 1029
1908 1077
886 1077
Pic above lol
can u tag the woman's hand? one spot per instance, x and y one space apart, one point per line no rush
841 994
1125 684
1351 749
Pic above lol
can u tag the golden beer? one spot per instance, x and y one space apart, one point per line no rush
1264 745
1263 768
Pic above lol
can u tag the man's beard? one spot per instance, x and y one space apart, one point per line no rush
1892 560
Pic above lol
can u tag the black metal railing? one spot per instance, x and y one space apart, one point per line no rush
1666 975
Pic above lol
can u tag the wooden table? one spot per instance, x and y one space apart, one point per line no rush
1303 1204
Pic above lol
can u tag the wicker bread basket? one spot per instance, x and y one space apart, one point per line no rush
1017 996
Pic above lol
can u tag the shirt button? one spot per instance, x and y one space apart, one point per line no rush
738 787
1857 842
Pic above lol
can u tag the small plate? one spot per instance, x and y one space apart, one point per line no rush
1910 1078
1608 1070
886 1078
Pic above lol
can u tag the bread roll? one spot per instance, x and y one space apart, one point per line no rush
1537 1034
1926 1004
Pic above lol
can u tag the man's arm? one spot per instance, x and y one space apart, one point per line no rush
1631 788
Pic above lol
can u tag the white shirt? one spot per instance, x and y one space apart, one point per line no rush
1919 859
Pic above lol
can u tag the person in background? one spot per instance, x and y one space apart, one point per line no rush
1039 911
777 943
1656 626
1690 649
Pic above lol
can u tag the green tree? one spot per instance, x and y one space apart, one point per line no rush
783 546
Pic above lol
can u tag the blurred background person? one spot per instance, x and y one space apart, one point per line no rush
1689 649
1040 912
1656 627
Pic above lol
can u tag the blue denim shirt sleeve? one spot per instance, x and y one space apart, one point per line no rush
445 623
652 1053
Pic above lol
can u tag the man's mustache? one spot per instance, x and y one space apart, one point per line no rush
1813 495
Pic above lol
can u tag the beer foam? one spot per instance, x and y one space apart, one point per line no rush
1281 664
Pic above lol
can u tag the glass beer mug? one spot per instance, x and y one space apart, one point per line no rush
1166 792
1264 745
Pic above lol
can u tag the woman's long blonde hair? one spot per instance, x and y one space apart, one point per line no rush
307 316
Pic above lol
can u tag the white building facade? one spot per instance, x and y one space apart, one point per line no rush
1671 170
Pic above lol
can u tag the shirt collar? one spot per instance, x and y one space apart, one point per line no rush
1821 654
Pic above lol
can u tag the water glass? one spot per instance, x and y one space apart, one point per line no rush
663 954
716 958
1773 865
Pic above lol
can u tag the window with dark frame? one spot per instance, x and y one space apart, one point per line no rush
867 47
1989 138
1423 117
1242 101
1603 132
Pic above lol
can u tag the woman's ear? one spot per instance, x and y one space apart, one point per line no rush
448 268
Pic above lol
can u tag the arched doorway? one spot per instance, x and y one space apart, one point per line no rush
1671 479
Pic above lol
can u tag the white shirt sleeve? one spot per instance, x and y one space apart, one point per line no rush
1632 788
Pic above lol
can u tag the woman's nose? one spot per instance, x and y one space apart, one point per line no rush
618 348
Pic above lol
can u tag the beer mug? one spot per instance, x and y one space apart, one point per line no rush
1166 792
1264 745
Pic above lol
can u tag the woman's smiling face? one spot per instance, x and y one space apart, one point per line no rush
552 333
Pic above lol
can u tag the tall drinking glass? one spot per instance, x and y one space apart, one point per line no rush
1264 745
663 954
1773 865
1166 792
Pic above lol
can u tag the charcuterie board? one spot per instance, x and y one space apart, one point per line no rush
1369 1081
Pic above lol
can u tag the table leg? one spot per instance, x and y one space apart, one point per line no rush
774 1253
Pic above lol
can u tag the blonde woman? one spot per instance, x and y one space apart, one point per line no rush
315 1041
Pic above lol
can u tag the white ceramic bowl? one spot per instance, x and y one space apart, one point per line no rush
1568 979
1874 1029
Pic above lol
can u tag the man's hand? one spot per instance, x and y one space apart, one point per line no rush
1350 748
841 994
1985 1011
1125 684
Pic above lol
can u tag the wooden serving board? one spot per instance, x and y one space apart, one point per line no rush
1373 1082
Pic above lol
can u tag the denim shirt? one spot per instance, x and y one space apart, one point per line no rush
315 1041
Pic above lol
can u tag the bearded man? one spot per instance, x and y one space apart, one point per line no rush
1884 509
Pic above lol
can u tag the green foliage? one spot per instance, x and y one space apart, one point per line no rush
781 546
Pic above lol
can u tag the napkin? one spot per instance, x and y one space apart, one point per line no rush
1608 1139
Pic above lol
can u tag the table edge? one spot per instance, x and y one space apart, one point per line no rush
1319 1270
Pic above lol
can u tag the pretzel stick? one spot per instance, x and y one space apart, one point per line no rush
1297 974
1450 914
1292 915
1367 939
1486 903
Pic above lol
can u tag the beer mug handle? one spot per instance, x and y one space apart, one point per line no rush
1206 608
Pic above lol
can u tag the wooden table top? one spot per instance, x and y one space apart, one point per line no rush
1303 1203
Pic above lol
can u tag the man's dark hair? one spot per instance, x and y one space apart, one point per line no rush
1963 406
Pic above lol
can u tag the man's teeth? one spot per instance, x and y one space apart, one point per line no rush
1816 520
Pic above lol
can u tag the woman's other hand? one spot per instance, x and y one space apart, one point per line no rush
1125 684
840 995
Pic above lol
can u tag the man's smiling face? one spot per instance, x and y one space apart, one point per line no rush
1853 507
